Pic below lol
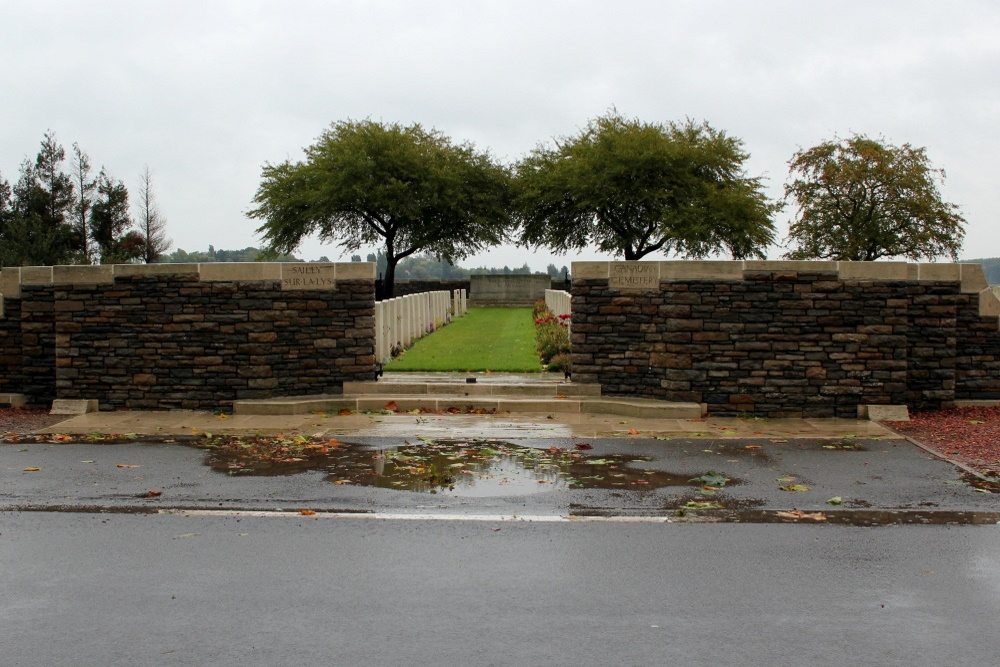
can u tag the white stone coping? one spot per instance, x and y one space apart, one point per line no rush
971 276
12 278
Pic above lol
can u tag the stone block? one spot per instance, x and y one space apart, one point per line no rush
154 269
590 270
239 271
935 271
810 266
312 276
873 270
65 406
355 271
13 400
889 413
701 270
973 278
10 281
36 275
83 275
989 304
634 276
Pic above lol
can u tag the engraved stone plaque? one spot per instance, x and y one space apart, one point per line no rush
634 275
308 276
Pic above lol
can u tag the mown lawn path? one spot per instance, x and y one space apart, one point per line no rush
493 339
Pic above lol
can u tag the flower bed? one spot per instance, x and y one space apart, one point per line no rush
552 338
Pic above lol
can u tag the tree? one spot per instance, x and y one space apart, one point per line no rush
38 229
110 223
81 212
862 199
635 188
152 224
407 189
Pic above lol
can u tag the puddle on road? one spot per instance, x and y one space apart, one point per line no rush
459 468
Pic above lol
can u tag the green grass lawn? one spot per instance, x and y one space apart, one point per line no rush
485 339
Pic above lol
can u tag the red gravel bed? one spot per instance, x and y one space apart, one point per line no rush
969 435
19 421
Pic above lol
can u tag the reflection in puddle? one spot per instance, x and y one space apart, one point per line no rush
461 468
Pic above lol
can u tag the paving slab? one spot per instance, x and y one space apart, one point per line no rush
525 425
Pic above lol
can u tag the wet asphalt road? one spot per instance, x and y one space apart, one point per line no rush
95 574
126 589
867 475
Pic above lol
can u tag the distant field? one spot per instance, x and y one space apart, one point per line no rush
485 339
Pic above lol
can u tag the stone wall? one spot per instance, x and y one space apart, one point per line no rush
11 354
417 286
504 290
787 338
977 363
189 336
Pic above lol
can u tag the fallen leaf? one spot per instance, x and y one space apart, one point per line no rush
127 465
779 441
702 505
32 469
799 514
836 500
176 537
151 494
583 445
794 487
59 437
711 479
633 431
342 481
307 512
343 412
391 406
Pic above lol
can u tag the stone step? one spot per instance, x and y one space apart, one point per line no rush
459 388
295 405
13 400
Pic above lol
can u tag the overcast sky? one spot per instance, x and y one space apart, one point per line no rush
206 92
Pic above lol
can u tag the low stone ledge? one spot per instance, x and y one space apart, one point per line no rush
887 413
66 406
13 400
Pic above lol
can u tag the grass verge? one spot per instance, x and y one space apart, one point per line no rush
485 339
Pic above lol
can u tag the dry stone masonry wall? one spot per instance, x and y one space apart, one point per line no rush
812 339
185 335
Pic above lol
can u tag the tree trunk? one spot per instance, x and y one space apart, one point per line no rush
388 281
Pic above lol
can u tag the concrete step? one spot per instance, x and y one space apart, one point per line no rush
460 388
406 402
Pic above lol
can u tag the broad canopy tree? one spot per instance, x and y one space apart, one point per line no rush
636 188
862 199
406 189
